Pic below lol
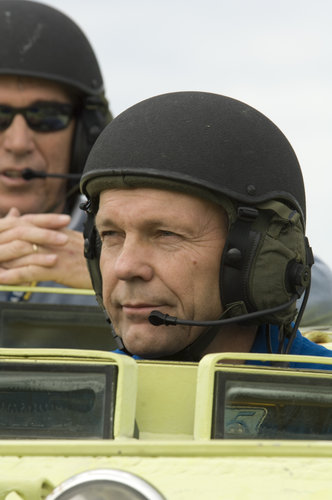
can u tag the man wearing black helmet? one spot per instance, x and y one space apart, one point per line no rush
52 108
196 229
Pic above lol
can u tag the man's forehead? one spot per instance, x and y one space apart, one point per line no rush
12 85
148 193
164 202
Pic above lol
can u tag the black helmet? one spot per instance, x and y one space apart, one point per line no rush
37 40
224 150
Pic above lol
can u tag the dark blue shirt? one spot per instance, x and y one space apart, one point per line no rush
301 346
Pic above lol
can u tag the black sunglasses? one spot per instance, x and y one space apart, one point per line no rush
41 117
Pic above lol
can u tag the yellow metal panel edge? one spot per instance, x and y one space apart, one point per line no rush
46 289
214 359
126 396
64 355
142 448
204 397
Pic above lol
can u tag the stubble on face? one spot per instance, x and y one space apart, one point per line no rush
160 250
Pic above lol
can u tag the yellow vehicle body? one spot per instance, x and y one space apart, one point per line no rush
162 428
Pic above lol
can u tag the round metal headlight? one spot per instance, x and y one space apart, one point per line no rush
105 484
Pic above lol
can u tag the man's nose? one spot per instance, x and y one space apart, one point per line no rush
134 261
18 137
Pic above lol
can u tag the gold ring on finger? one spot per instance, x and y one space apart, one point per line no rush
35 247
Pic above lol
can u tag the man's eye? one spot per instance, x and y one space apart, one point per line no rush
107 235
165 233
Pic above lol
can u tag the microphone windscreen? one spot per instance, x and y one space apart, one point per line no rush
156 318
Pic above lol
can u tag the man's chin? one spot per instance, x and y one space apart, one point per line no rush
151 342
148 351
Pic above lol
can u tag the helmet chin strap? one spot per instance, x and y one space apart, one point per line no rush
194 351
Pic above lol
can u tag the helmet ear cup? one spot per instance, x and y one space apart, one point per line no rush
265 263
92 119
92 249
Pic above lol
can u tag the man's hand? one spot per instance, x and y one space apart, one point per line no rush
39 247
